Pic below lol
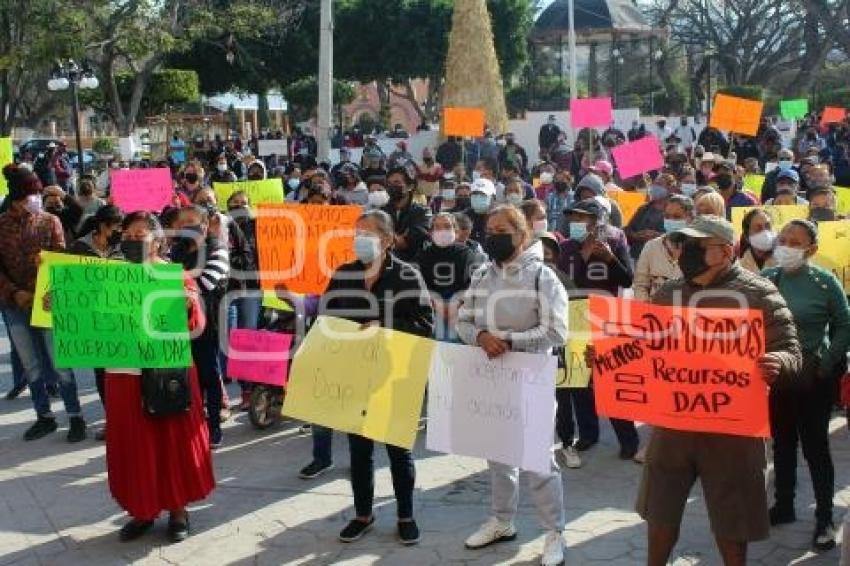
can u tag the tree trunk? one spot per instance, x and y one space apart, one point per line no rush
817 48
695 82
674 99
409 94
385 113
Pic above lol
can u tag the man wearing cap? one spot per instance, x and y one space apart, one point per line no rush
785 163
705 172
513 152
604 170
482 196
548 135
731 469
592 185
786 189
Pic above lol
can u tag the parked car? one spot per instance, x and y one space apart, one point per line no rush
36 146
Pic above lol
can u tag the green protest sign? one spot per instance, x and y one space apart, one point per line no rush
119 316
794 109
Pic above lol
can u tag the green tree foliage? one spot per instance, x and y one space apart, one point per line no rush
303 96
165 88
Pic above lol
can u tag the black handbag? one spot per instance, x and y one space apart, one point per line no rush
166 392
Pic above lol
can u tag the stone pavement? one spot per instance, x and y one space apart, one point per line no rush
55 506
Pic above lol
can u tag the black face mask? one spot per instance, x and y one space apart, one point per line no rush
396 192
54 210
191 178
724 181
133 250
114 238
499 247
821 214
462 203
562 186
692 260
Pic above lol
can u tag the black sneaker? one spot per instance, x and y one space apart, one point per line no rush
42 427
314 469
582 445
216 438
134 529
628 452
77 429
781 515
178 530
355 530
15 391
408 532
824 537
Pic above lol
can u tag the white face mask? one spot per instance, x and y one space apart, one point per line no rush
546 178
763 241
789 259
476 175
443 238
222 167
540 227
33 204
378 199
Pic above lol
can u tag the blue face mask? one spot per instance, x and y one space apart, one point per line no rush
480 203
448 194
515 199
785 165
293 183
578 231
671 225
657 193
689 189
366 248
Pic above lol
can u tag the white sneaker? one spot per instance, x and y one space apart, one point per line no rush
640 457
570 457
553 549
491 532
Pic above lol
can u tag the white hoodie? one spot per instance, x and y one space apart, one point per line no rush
522 301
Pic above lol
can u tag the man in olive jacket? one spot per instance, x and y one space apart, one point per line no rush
731 469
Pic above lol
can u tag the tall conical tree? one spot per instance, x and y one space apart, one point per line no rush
472 69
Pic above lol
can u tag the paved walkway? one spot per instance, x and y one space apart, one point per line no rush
55 506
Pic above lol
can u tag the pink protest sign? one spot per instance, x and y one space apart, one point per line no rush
638 157
149 190
259 356
591 112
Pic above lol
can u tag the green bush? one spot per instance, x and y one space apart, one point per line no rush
835 97
752 92
102 145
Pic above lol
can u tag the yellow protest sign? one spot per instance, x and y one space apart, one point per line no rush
7 155
834 250
576 374
40 317
369 382
629 203
262 191
271 301
753 183
779 215
842 200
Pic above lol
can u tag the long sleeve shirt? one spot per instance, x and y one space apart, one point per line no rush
24 236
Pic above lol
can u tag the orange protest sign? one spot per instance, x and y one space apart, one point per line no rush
301 245
463 122
629 203
734 114
679 368
832 114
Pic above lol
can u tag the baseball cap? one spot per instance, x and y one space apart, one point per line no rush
603 166
589 206
788 174
709 227
708 156
592 182
485 186
725 164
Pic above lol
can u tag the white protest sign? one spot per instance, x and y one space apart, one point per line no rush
501 409
271 147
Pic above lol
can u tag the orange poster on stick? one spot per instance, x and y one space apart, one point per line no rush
629 203
463 122
679 368
738 115
301 245
832 114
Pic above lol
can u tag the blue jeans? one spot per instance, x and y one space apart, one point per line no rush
35 348
322 444
18 376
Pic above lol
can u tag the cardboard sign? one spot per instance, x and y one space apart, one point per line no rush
794 109
834 250
498 409
272 147
7 156
754 183
148 190
369 382
301 245
637 157
463 122
591 112
779 215
629 203
832 114
575 373
842 200
680 368
259 356
119 316
738 115
40 317
259 192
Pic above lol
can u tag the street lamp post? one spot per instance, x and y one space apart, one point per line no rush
653 56
69 74
616 61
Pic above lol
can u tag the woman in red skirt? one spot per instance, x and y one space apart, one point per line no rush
155 464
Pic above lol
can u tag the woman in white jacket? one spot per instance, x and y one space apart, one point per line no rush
516 303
